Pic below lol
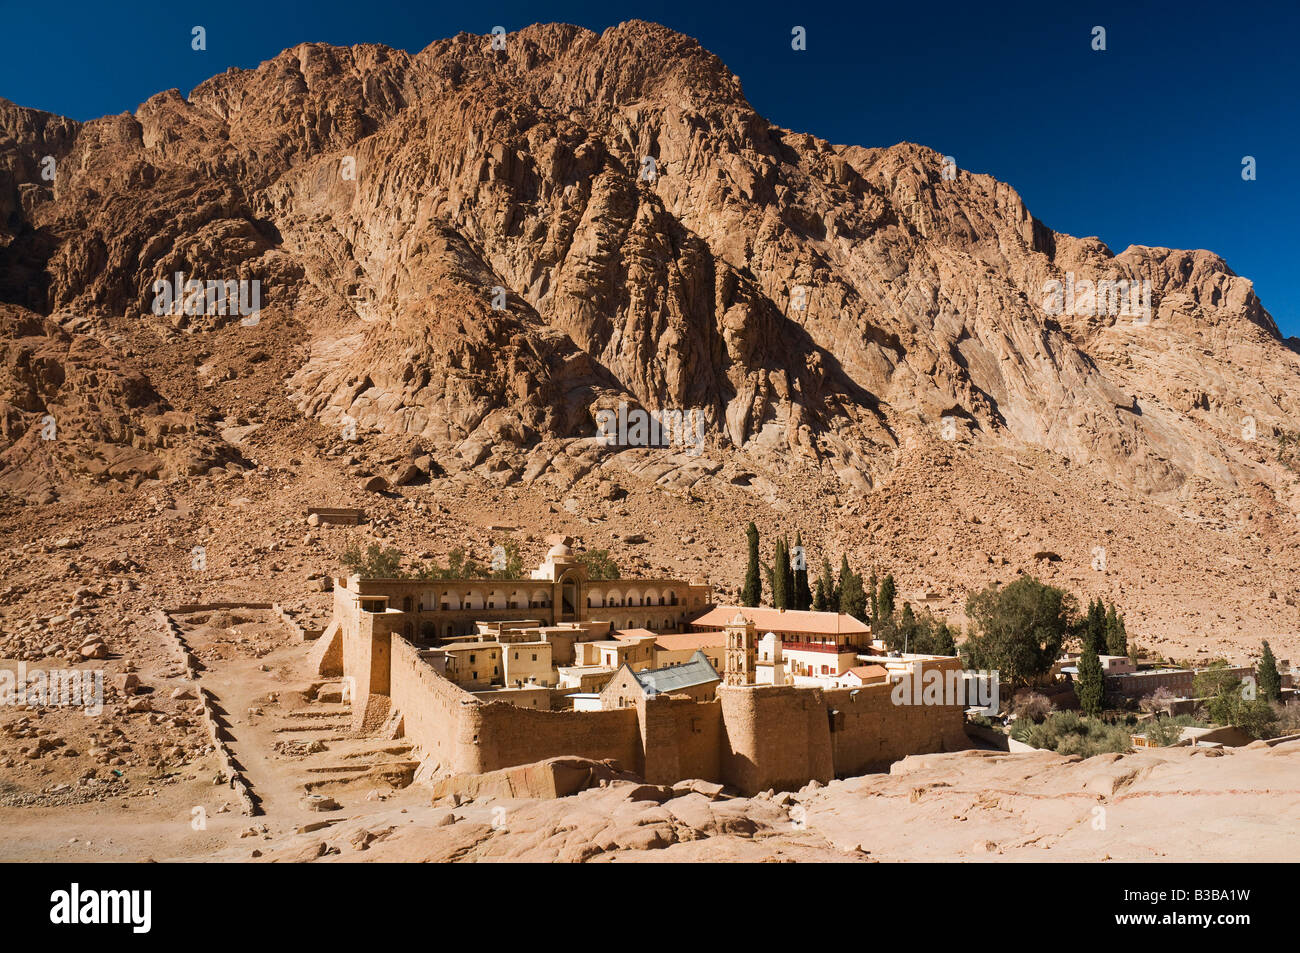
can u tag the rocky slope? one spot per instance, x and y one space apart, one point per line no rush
468 251
970 807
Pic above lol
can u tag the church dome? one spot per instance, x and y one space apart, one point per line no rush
559 550
740 619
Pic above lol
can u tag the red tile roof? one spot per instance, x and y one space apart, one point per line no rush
631 634
865 672
782 621
690 640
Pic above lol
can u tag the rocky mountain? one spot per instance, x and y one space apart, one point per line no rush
474 249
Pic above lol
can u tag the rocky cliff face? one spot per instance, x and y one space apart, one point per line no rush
657 242
478 248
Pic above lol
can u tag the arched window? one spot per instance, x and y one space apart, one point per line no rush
568 599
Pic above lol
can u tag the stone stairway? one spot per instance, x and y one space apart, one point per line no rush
332 756
361 760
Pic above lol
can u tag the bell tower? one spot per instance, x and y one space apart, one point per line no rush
739 668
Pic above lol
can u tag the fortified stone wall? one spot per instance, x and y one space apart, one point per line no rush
681 738
751 737
869 731
463 735
777 737
367 661
438 716
509 735
781 736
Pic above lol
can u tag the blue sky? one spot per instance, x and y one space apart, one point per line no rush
1139 144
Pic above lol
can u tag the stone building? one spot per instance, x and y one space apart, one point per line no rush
1181 682
861 675
675 648
696 679
812 644
633 648
557 592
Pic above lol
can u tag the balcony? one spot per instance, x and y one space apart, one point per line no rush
815 647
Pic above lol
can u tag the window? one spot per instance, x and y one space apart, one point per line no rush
471 659
534 656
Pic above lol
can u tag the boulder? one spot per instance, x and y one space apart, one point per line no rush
127 684
410 475
318 802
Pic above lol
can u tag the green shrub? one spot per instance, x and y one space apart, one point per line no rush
1068 732
375 563
599 564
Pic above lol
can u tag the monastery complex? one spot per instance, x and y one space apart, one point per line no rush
484 674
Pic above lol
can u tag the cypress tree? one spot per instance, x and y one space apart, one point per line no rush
789 575
945 642
873 595
1090 688
827 581
908 628
885 604
1112 629
780 577
819 597
1116 637
802 594
853 599
1095 627
752 594
1270 681
845 580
